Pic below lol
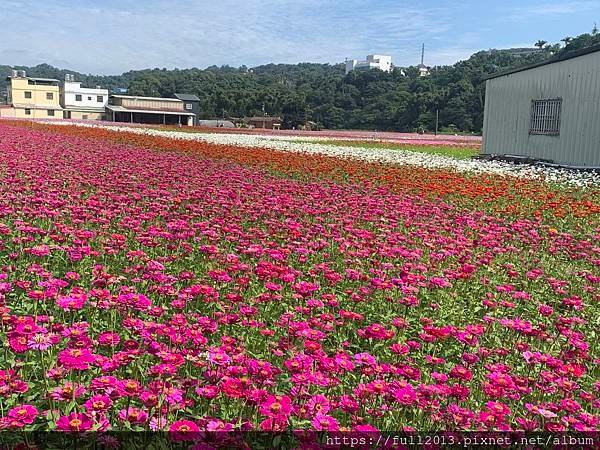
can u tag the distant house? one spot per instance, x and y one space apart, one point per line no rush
266 122
191 103
82 103
32 98
150 110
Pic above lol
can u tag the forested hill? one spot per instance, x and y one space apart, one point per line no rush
400 100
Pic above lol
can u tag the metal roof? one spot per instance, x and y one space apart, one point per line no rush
117 108
135 97
187 97
564 57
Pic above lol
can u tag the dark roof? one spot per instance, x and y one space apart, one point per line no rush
187 97
563 57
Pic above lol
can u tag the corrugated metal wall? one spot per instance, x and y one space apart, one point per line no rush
508 108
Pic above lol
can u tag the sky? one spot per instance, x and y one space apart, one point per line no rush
114 36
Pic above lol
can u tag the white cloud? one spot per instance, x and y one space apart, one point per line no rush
554 9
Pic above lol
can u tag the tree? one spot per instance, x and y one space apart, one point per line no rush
540 44
566 40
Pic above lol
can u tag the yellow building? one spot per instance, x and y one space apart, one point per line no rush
33 98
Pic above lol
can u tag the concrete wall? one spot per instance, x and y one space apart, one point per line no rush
37 113
508 111
7 112
85 115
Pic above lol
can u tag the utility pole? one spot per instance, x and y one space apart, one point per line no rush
437 120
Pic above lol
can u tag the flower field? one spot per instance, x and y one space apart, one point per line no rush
153 282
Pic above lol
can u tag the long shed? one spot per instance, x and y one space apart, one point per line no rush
548 111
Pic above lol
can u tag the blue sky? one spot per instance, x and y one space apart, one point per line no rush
110 36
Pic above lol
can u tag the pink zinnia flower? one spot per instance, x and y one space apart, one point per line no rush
276 406
318 404
76 358
218 357
41 341
183 426
23 414
71 302
133 415
323 422
74 422
183 430
98 403
405 395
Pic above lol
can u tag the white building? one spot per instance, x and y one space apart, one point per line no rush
381 62
423 70
83 103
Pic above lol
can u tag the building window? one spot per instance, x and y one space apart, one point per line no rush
545 117
100 99
77 97
49 96
188 106
51 112
27 94
84 117
89 99
28 112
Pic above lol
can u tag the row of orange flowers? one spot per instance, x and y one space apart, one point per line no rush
506 195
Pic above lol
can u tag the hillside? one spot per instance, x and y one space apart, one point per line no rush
322 93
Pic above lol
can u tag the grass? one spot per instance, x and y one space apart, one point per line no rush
452 151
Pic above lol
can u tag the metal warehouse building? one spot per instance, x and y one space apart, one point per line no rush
548 111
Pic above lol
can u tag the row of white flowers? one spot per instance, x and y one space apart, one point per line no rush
381 155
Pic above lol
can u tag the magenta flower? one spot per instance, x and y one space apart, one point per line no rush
74 422
322 422
75 358
23 414
276 406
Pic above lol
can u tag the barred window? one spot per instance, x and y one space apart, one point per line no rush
545 117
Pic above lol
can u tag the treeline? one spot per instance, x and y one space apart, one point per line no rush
322 93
